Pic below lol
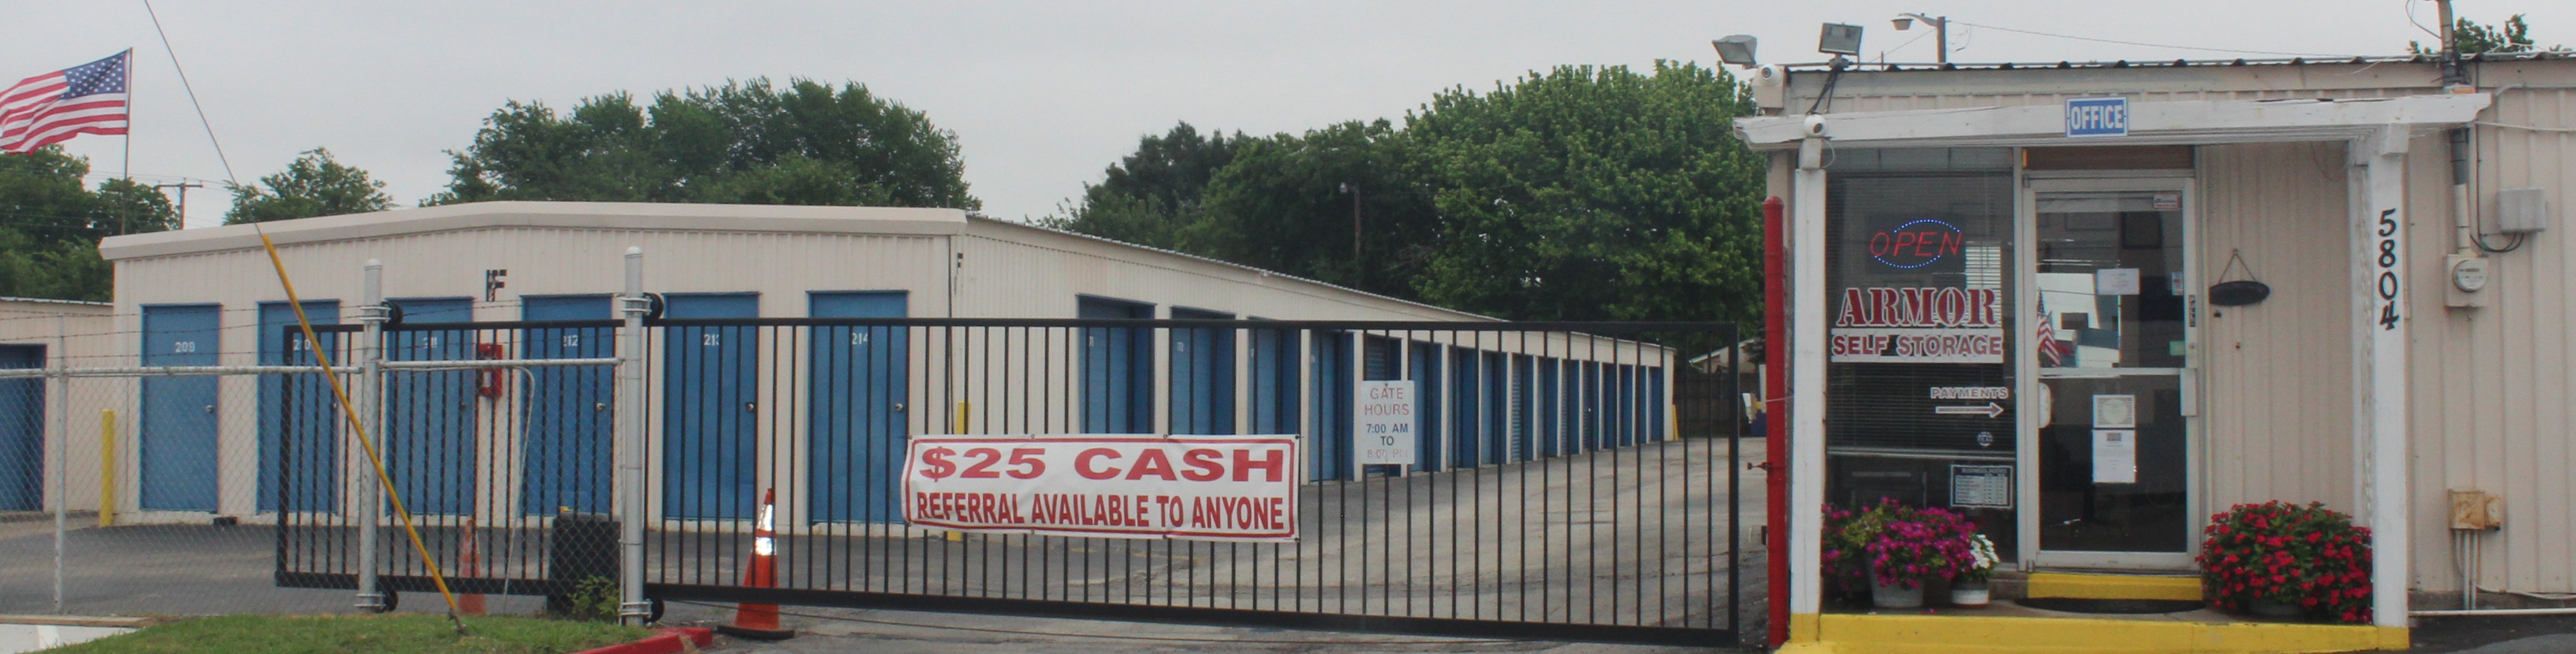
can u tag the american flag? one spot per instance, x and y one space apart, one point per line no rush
53 107
2052 352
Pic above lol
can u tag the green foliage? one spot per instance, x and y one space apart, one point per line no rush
1594 194
50 225
2513 36
383 634
1151 196
594 599
743 142
1580 194
314 185
1286 204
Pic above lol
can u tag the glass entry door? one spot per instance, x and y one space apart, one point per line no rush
2110 417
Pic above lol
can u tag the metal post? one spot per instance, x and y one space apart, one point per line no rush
371 492
61 445
630 442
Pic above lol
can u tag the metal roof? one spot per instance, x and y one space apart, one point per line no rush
1892 67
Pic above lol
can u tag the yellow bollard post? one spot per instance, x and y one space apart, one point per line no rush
107 467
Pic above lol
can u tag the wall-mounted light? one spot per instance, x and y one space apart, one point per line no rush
1736 49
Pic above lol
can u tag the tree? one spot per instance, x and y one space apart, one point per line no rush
1151 196
2473 38
1286 203
314 185
746 142
50 225
1593 194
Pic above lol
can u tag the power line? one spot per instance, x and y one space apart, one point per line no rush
192 94
2151 45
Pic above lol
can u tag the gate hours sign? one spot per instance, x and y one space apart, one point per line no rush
1196 488
1386 433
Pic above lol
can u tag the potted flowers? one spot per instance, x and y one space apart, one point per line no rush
2286 560
1975 565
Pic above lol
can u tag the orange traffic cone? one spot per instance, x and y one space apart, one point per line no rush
760 621
469 564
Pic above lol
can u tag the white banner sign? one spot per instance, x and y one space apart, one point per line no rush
1230 488
1386 432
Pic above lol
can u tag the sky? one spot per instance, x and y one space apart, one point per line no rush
1042 96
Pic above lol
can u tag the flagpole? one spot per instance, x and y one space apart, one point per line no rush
123 223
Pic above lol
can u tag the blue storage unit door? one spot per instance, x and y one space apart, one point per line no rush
299 420
1524 408
710 393
1654 404
860 382
1333 388
429 415
1467 429
568 441
1426 406
1496 380
1117 369
1275 407
1550 429
1202 376
22 431
177 439
1592 419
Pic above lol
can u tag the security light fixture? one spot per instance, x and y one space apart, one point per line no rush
1737 50
1940 26
1839 39
1903 23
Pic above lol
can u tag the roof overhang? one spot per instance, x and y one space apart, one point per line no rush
646 216
2150 123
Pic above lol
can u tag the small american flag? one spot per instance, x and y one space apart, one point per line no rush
53 107
2052 352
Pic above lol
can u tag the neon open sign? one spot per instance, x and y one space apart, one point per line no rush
1915 244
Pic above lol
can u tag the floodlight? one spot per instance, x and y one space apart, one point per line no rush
1737 50
1903 23
1839 39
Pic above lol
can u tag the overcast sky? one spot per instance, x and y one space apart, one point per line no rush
1041 96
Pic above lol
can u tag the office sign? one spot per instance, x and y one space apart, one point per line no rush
1229 488
2097 117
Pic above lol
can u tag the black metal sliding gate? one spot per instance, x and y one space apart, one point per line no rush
1572 481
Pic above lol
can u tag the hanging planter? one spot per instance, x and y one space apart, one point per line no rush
2239 292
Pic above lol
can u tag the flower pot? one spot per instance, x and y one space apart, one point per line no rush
1893 596
1969 594
2272 609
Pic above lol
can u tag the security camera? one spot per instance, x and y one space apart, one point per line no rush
1815 125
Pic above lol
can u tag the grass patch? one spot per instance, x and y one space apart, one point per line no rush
385 634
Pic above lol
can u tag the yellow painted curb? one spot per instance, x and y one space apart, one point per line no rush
2101 586
1933 634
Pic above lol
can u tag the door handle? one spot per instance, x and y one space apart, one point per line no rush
210 408
751 407
898 407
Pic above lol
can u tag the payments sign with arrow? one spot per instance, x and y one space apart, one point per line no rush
1989 410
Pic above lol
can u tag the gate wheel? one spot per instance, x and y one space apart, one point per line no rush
389 601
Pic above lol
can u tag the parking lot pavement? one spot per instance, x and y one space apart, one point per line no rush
2500 634
914 632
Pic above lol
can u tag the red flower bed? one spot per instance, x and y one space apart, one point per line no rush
2291 554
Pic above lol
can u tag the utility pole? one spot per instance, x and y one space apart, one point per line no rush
183 203
1356 268
1940 31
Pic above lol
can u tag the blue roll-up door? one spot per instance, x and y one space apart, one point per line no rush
1425 370
1275 395
429 415
1496 381
177 440
1117 369
568 443
859 386
1202 375
1468 428
1524 408
1550 429
22 431
1332 405
709 409
299 445
1654 403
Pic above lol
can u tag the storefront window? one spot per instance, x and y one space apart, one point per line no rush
1919 268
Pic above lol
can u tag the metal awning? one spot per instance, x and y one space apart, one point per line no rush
2150 123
